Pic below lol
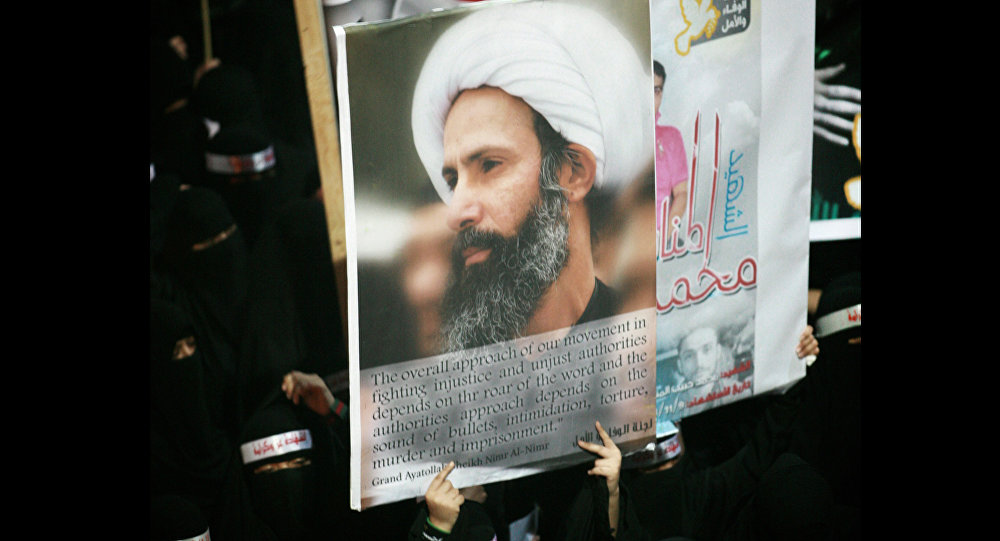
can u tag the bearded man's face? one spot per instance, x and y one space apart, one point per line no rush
510 216
493 300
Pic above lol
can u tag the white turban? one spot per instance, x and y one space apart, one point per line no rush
568 63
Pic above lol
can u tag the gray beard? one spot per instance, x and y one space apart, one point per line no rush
493 301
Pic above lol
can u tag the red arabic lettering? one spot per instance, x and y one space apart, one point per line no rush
854 315
743 367
296 437
699 239
668 250
681 292
711 200
714 395
668 246
741 387
266 446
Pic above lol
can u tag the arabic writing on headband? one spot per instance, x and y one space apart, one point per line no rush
278 444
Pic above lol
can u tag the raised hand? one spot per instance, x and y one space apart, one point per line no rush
309 387
443 500
608 466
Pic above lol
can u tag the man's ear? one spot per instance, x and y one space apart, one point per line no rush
578 174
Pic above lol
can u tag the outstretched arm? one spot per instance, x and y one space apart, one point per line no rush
609 466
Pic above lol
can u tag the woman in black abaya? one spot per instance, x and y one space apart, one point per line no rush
189 455
202 269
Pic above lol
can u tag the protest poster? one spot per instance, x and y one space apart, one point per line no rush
493 317
732 212
835 210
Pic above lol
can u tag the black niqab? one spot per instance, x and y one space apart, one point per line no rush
189 455
203 270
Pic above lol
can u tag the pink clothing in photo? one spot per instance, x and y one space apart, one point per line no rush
671 162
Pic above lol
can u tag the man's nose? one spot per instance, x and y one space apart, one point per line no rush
465 209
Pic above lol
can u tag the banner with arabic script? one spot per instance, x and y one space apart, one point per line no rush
713 210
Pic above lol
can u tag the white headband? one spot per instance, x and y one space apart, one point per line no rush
224 164
568 63
835 322
276 445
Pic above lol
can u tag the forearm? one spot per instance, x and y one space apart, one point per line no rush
423 529
613 510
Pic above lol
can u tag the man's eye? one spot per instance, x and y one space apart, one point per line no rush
489 164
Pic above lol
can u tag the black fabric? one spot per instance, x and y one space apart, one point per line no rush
285 499
166 20
293 315
189 455
587 519
177 145
171 77
163 192
263 36
792 503
713 436
389 521
553 491
252 196
172 518
257 198
842 292
228 94
604 302
828 433
803 459
302 226
176 138
237 520
833 258
304 503
473 524
704 503
209 284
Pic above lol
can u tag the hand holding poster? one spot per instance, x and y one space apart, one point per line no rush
487 152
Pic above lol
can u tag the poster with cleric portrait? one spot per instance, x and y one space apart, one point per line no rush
731 292
497 159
